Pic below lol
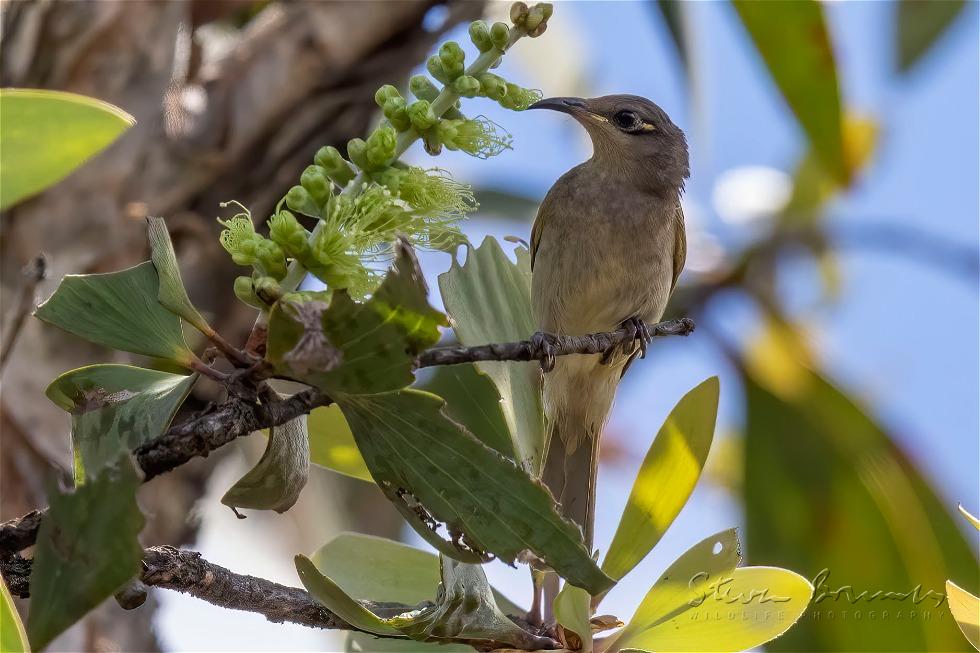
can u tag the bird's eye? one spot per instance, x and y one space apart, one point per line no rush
625 120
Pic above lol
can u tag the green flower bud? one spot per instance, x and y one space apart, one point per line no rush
245 291
271 258
480 35
435 68
534 18
492 86
286 231
421 115
452 58
357 153
334 164
539 30
267 290
518 98
500 35
546 8
467 86
385 93
480 138
422 88
381 146
431 143
396 111
518 13
239 239
300 200
316 184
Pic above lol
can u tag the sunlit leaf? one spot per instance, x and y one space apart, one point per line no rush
572 609
114 409
171 293
45 135
824 485
280 475
118 310
666 478
332 444
489 300
337 601
794 43
966 610
87 549
13 639
355 347
919 25
365 643
704 603
970 518
379 569
435 472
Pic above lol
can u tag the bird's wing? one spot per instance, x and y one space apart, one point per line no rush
538 228
680 245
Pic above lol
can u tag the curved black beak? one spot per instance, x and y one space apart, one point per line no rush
563 104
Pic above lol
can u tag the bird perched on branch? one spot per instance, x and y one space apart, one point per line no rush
607 247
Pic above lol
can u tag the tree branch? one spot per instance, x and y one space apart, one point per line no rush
236 417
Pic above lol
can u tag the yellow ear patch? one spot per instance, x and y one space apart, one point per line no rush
647 127
597 117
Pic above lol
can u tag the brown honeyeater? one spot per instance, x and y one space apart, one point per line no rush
607 247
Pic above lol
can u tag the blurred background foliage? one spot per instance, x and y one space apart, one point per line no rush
833 268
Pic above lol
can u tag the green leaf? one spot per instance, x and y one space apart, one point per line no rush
919 26
966 611
970 518
436 472
573 611
465 609
114 409
364 643
472 400
332 444
703 603
489 300
823 485
337 601
87 549
171 292
118 310
357 347
795 46
379 569
666 479
47 134
280 475
13 639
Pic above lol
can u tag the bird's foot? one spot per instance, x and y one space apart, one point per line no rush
543 345
636 331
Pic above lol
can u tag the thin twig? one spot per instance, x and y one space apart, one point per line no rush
33 273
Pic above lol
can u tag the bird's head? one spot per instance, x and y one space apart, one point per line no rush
630 135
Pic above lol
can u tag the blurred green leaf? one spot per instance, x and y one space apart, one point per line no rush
573 611
326 592
118 310
919 25
87 549
172 293
45 135
364 643
824 485
436 472
666 478
966 611
355 347
13 639
670 11
473 401
794 43
114 409
489 300
680 612
280 475
332 444
379 569
970 518
496 202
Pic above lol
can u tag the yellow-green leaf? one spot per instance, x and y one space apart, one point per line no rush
573 610
45 135
794 43
966 610
280 475
171 293
666 479
118 310
332 444
919 25
970 518
13 639
328 593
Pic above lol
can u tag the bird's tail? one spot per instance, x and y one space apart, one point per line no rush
578 395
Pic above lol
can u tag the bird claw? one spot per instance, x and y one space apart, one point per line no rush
544 349
638 331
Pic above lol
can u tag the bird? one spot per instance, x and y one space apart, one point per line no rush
607 247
